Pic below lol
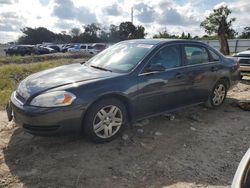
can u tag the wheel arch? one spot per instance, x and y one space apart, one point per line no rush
121 97
226 80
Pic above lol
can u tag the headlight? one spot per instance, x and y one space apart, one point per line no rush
53 99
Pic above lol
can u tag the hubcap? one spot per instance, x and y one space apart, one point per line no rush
219 94
107 121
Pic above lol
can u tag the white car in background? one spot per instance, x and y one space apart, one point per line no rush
85 48
99 47
244 60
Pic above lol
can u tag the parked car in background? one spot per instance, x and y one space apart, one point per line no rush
66 47
19 50
55 47
242 175
244 60
39 50
85 48
98 47
128 81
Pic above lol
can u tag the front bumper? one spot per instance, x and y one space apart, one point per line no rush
46 121
245 70
244 65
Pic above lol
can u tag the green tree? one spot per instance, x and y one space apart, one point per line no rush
114 34
162 34
104 36
245 34
36 35
183 36
75 32
165 34
127 30
62 38
139 32
209 37
219 24
92 30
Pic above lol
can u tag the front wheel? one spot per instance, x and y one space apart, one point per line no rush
105 120
218 95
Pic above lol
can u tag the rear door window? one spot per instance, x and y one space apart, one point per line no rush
196 55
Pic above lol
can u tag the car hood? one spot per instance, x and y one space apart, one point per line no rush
57 77
244 54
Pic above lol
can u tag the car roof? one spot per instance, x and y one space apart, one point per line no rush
162 41
24 45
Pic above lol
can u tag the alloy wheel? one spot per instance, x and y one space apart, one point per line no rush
107 121
219 94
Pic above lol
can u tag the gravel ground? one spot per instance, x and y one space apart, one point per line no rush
198 147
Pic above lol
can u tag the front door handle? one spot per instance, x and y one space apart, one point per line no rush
213 69
178 75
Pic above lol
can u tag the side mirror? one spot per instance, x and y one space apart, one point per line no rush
242 175
155 68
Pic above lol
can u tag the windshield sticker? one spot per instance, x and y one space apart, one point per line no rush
144 45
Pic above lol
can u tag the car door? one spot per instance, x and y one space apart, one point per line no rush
162 90
201 69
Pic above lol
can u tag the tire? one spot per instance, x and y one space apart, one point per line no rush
218 94
105 120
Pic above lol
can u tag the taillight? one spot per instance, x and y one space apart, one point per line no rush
238 64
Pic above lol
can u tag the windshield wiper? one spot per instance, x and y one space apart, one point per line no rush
101 68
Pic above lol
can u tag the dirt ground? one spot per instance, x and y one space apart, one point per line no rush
198 148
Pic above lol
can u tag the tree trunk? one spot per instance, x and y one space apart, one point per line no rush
224 48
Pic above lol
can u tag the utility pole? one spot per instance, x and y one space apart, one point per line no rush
132 15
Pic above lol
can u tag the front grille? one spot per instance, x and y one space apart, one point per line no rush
41 128
20 98
244 62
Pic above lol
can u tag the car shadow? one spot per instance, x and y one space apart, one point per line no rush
202 151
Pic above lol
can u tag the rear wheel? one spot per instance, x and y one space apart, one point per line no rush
105 120
218 94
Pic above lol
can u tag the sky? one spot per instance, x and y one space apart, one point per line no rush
155 15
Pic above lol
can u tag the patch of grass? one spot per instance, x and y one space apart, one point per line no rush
12 74
39 58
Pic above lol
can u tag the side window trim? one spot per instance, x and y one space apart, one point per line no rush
142 72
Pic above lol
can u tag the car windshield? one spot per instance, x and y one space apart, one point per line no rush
121 57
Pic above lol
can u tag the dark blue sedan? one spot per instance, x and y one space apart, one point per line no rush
129 81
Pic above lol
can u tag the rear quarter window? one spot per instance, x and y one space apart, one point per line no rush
214 57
